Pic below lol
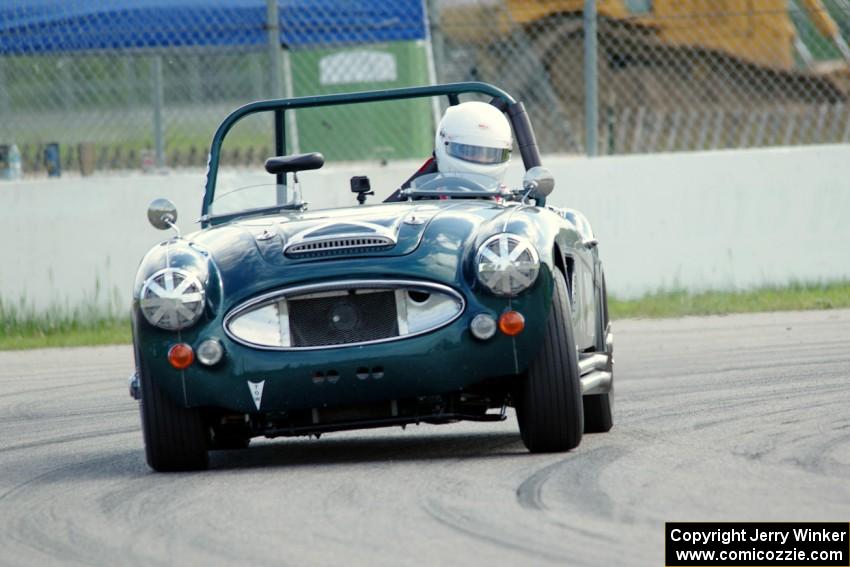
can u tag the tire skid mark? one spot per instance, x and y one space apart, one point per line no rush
479 523
36 411
738 391
25 529
581 475
528 493
727 404
42 520
785 365
529 497
473 527
702 362
43 390
818 459
11 492
70 438
55 545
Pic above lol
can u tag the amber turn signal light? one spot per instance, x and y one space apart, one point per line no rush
181 356
511 323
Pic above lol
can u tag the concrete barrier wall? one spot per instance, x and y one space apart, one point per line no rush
716 220
719 220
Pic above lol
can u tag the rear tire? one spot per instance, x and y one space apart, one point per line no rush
175 437
549 409
599 408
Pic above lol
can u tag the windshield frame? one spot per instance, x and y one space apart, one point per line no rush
495 189
514 110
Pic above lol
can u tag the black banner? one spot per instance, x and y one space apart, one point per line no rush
757 544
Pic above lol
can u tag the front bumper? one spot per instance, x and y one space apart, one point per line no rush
253 381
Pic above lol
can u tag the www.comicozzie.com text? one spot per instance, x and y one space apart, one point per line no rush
726 537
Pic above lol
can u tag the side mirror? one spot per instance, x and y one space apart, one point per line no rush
539 181
162 214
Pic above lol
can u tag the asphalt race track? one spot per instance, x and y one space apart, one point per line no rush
723 418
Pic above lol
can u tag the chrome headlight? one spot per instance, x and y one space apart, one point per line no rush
172 299
507 264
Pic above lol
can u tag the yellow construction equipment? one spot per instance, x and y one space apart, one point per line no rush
756 31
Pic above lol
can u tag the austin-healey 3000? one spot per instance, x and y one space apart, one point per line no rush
460 298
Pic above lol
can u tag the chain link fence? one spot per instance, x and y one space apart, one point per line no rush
143 84
672 75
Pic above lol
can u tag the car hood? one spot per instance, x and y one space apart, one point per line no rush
255 254
392 230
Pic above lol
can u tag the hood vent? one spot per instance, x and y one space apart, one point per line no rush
331 239
340 244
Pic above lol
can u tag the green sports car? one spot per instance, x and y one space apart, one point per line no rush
456 299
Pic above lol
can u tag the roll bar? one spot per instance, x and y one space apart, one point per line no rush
514 110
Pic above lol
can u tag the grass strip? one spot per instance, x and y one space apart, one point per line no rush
795 297
23 327
33 334
25 330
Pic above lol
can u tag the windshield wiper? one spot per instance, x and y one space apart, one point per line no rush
251 212
438 194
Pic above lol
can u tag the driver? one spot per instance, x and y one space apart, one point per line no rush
472 137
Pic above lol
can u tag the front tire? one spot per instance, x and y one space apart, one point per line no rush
175 437
549 409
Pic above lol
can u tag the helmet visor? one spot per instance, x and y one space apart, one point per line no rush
478 154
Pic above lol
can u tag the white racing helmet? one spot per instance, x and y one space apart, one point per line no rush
473 137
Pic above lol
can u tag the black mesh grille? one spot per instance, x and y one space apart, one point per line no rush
342 319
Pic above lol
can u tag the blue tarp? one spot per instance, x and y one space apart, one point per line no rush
53 26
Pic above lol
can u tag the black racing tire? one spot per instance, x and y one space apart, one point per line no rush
175 437
599 408
549 409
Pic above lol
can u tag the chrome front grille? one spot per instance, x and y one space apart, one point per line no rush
349 317
344 313
339 244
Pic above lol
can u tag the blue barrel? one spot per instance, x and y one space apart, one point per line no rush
5 166
51 160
